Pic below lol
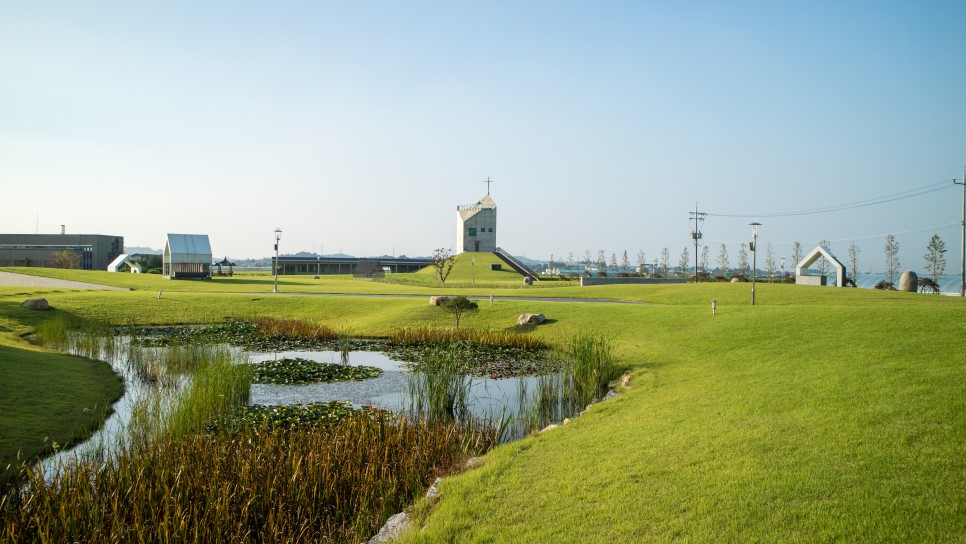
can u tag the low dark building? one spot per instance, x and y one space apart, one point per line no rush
92 251
315 266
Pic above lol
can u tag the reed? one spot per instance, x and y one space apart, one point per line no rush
589 366
440 389
305 484
428 336
294 328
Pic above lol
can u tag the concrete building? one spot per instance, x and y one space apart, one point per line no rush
94 251
321 266
476 226
186 256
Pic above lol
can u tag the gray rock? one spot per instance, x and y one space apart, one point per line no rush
530 319
437 300
391 530
909 282
434 489
528 281
36 304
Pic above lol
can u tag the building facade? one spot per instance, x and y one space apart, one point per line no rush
186 256
321 266
94 251
476 226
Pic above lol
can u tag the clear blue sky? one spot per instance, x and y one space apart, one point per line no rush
360 126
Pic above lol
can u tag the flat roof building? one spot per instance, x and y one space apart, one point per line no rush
86 251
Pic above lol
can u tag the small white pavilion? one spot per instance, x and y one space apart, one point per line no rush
187 256
804 279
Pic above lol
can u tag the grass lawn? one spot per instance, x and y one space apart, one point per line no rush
819 414
48 401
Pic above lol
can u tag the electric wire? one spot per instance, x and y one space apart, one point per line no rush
919 191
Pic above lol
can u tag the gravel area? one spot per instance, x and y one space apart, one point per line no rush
9 279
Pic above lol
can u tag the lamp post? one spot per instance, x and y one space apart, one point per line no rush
754 257
278 236
783 270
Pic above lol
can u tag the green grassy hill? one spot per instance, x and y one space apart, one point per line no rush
819 414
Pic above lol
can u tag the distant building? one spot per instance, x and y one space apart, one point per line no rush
321 266
476 226
186 256
94 251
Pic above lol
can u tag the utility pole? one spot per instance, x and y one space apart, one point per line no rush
962 251
754 257
696 235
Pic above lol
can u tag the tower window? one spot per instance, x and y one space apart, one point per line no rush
472 231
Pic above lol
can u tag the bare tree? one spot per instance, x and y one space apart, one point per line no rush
683 262
724 266
822 264
613 262
665 261
640 262
796 253
854 261
742 260
601 262
586 261
705 258
935 257
770 263
892 258
443 262
550 264
625 263
570 261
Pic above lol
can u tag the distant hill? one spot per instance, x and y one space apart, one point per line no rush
140 250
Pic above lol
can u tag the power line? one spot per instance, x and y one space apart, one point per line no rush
857 238
919 191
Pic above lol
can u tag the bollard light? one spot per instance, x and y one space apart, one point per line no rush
714 306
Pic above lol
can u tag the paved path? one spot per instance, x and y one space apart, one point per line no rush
10 279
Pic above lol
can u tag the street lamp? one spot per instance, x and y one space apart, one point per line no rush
754 257
278 236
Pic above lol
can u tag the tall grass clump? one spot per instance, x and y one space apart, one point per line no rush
428 336
293 328
194 385
441 387
304 484
589 366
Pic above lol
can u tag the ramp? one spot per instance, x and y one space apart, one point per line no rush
516 265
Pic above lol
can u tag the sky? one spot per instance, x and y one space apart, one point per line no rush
359 127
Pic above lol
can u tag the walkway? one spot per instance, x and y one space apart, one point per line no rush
10 279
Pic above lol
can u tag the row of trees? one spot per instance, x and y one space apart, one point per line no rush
935 261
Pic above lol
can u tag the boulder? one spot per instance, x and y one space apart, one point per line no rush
909 282
36 304
530 319
437 300
528 281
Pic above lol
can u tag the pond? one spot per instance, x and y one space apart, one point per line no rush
517 404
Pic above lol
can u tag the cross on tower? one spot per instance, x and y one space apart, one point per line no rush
488 181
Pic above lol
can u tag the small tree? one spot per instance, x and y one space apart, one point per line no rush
935 258
892 258
625 263
613 262
770 264
683 263
586 261
665 261
601 262
570 261
724 266
459 307
640 262
796 253
743 259
822 263
66 259
443 262
854 261
705 258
